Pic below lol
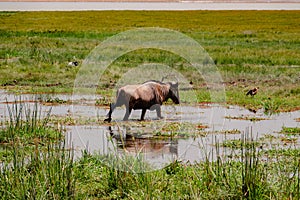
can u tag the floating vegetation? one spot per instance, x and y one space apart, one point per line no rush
103 101
288 139
291 152
246 117
73 120
162 134
49 100
181 129
55 100
238 144
233 131
290 130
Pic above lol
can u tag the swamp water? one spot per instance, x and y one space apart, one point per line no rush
187 133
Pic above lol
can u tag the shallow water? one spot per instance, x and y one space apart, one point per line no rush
104 139
183 5
134 138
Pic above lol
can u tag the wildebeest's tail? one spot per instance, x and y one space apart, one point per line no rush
121 98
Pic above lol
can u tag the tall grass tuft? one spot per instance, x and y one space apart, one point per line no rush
27 122
39 166
270 106
44 175
254 175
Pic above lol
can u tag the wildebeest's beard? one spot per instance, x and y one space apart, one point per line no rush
174 94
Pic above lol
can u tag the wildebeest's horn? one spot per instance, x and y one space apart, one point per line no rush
176 79
169 76
162 79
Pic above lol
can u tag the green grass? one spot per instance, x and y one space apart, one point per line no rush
250 48
26 130
34 161
43 174
90 178
290 130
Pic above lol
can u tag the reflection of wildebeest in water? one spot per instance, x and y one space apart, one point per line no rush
138 145
132 144
149 95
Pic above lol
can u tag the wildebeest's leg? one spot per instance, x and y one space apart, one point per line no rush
128 111
111 109
143 114
158 111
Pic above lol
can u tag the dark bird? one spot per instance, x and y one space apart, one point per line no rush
252 92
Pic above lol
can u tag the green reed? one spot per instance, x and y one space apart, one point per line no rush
34 162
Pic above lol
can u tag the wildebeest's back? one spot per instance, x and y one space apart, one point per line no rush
141 96
125 93
144 97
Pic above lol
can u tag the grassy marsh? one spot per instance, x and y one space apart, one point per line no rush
225 178
39 166
250 48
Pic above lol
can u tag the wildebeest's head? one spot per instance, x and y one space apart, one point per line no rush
173 92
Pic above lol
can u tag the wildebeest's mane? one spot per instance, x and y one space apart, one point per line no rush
159 82
155 81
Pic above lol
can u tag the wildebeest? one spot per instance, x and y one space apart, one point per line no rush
149 95
252 92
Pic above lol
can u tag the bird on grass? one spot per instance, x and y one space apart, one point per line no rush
252 92
73 64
